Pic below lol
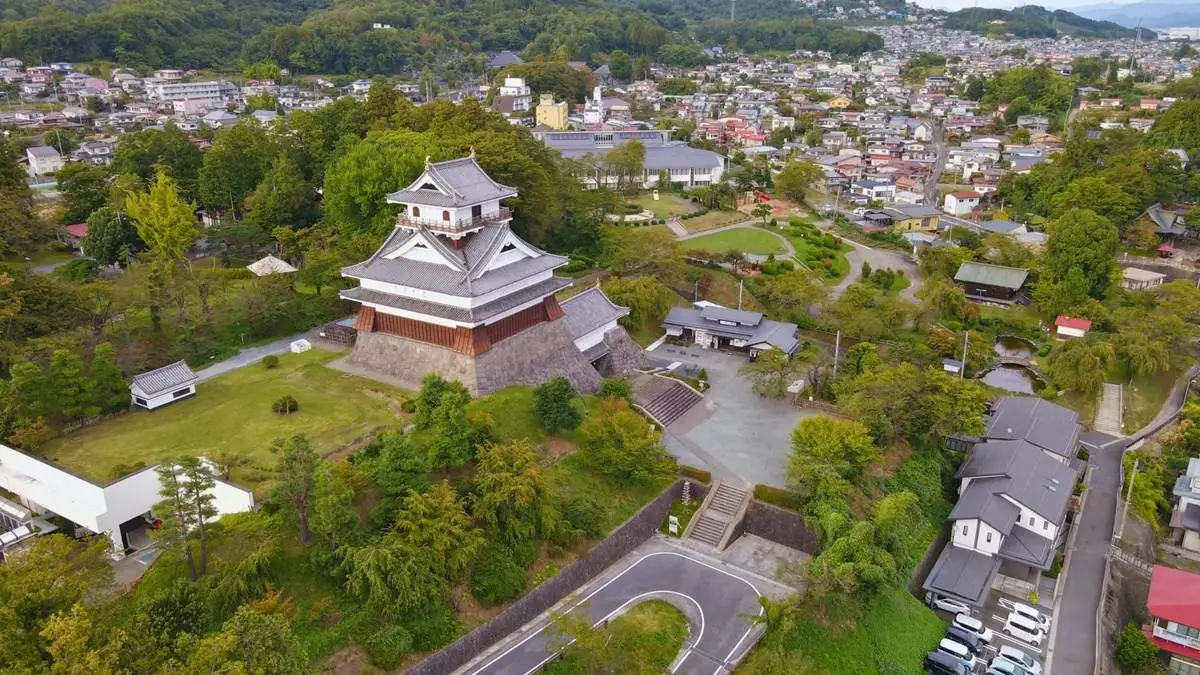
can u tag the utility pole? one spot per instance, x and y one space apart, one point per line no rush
1128 495
732 4
741 286
837 347
962 371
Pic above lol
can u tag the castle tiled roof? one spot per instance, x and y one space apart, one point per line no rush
458 182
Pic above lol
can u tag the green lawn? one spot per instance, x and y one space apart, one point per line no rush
683 513
746 240
642 641
232 415
890 634
666 206
713 220
620 500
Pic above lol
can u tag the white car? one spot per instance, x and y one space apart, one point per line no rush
1004 667
1020 658
952 606
1023 629
1033 615
975 626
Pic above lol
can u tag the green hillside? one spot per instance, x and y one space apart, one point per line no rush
1032 21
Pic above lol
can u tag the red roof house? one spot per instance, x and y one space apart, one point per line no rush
1070 326
1174 607
73 235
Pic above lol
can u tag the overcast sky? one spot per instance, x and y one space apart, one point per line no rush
1007 4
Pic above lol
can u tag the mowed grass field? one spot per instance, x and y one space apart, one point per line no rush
231 414
746 240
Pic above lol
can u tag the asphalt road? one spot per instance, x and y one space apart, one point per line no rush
932 194
716 602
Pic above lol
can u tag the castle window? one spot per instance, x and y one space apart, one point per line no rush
508 247
416 212
446 216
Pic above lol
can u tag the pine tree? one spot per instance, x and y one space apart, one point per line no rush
297 471
108 390
70 383
187 503
30 390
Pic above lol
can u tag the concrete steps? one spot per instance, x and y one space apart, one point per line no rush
714 522
665 399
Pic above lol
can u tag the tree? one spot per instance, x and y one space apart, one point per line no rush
641 67
620 66
905 401
187 502
107 390
645 251
793 292
797 178
552 403
841 445
282 198
437 524
70 383
240 156
627 162
84 188
111 238
773 372
30 391
457 434
297 475
853 564
150 151
1084 241
514 498
333 516
1080 365
616 387
1098 195
1019 136
164 221
1135 653
52 574
621 444
762 211
78 646
250 642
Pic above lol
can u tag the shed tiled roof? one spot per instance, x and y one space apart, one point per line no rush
163 379
963 574
459 182
991 275
590 310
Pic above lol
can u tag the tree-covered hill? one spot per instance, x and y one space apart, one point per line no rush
1032 21
337 36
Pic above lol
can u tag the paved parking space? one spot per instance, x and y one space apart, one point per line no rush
994 615
734 433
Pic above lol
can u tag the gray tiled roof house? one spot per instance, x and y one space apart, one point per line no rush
590 310
733 324
164 379
991 275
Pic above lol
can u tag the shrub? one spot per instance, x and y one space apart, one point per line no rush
285 405
616 387
698 474
552 402
496 577
524 551
433 625
388 645
270 361
1083 454
1135 652
776 497
585 515
703 375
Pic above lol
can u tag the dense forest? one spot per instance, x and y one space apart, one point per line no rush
319 36
1032 21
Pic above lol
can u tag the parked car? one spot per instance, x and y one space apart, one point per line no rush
1004 667
957 650
975 626
949 605
1023 629
966 638
1020 658
941 663
1033 615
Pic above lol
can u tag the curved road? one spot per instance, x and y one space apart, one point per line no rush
717 604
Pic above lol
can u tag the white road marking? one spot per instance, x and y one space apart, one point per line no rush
635 563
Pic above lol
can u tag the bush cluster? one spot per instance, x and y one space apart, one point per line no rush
285 405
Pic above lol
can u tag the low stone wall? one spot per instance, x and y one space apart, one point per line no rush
623 540
339 334
778 525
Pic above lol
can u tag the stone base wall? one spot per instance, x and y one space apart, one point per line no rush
529 357
624 355
778 525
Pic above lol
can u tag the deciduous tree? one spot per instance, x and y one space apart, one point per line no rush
514 498
619 443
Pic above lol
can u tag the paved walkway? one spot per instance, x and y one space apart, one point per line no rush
1109 414
879 259
252 355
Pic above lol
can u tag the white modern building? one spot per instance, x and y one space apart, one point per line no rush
961 203
183 94
686 166
43 490
163 386
515 89
43 159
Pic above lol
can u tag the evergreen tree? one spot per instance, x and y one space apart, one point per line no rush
108 389
70 384
297 472
552 403
111 238
283 198
30 390
187 503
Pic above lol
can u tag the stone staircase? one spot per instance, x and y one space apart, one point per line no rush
714 522
664 399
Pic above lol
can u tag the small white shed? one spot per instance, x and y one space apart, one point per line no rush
162 386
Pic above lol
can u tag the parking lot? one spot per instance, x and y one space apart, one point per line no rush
994 615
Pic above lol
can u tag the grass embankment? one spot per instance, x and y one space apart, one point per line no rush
665 206
745 240
645 640
1144 397
889 634
231 415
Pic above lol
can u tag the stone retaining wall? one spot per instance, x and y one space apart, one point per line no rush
618 544
778 525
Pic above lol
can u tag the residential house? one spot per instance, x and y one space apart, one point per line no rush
504 58
914 218
517 92
993 283
1007 228
716 327
839 102
1015 490
873 190
685 165
1185 517
43 159
1174 627
961 203
1034 123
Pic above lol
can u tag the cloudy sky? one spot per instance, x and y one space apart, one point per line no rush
1007 4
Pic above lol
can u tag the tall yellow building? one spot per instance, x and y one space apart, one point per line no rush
550 114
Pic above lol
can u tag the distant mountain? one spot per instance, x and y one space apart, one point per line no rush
1032 21
1156 13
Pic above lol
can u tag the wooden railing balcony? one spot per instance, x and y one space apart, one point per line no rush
459 225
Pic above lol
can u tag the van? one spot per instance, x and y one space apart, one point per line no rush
957 650
965 638
975 626
941 663
1020 658
1041 620
1023 629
